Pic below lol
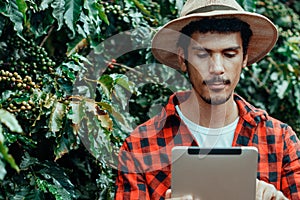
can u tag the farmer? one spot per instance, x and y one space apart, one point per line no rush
212 42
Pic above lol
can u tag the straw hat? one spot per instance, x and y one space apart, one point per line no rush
164 43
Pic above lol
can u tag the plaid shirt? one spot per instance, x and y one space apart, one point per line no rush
145 157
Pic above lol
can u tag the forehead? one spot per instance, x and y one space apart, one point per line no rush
216 40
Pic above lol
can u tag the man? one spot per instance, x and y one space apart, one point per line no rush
212 42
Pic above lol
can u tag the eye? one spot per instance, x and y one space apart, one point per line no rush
230 54
203 54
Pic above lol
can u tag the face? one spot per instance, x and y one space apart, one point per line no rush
215 61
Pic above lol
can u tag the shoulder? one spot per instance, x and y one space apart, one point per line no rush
156 130
258 117
153 128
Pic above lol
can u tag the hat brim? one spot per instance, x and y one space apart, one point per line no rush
265 34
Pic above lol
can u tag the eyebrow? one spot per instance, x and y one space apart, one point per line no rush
209 50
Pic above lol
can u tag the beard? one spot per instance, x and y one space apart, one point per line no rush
216 97
220 97
218 100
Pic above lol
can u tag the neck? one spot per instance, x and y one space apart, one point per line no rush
207 115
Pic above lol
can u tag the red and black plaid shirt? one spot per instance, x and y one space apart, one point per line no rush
145 157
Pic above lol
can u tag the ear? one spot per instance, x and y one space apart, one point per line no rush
245 61
181 59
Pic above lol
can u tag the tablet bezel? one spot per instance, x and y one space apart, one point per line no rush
218 173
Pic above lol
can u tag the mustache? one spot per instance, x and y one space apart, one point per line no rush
216 79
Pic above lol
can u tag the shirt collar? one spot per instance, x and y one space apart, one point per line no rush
248 112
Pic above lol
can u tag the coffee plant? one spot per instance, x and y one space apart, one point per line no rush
77 76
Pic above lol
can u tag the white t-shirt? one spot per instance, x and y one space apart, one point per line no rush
210 137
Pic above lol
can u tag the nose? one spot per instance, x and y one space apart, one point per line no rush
216 65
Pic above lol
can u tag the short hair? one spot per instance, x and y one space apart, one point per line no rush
215 25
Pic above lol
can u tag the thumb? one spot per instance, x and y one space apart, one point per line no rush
168 194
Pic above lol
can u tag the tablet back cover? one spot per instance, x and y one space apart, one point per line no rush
214 174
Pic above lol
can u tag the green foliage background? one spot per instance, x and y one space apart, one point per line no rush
54 93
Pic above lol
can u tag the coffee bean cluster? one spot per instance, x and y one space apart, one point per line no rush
20 88
27 59
116 10
13 81
23 66
21 106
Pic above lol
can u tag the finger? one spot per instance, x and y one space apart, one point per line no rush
168 194
269 191
268 194
280 196
259 190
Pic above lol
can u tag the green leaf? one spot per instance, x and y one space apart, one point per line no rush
90 20
89 26
66 141
1 135
297 96
41 22
97 140
55 189
5 95
122 121
102 14
66 69
10 121
91 7
22 8
28 161
58 12
281 88
142 8
56 117
179 4
15 15
71 66
7 157
56 181
2 170
121 87
69 69
34 194
45 4
77 113
2 6
2 24
123 81
71 16
106 106
248 5
106 83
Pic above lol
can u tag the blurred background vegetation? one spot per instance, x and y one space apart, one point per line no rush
77 76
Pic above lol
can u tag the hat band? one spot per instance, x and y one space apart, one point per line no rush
211 8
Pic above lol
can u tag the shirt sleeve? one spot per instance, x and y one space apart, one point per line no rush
130 182
291 165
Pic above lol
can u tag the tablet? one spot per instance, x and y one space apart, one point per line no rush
214 174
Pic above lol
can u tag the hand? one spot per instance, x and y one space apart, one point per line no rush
168 196
266 191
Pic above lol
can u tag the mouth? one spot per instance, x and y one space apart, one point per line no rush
216 85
